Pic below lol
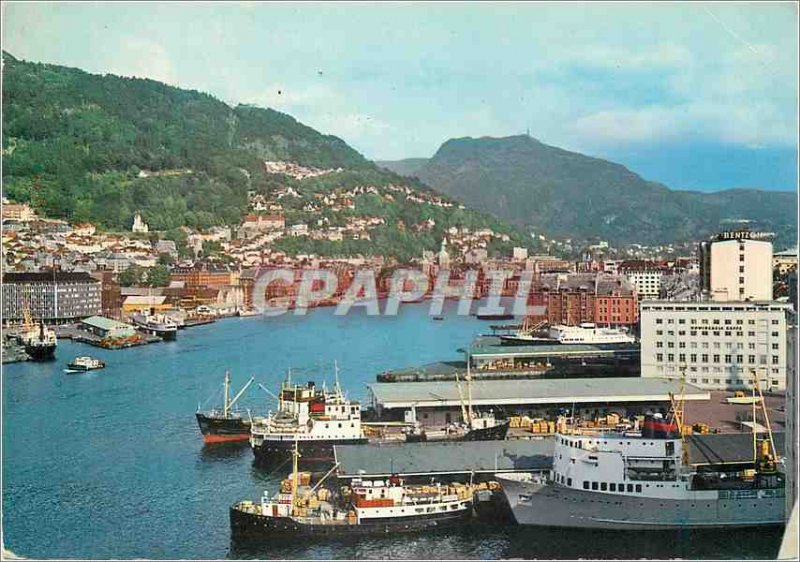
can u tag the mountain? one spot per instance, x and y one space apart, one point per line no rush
547 189
405 167
94 148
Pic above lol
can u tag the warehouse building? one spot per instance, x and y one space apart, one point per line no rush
439 403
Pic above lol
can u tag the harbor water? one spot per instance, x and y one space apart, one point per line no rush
110 463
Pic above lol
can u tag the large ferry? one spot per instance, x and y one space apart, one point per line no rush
585 333
370 506
630 482
316 418
221 425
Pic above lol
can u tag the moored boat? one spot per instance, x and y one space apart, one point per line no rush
370 506
226 424
39 342
586 333
317 418
156 325
626 481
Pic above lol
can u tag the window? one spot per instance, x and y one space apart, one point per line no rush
594 485
659 344
728 358
751 359
659 356
659 332
740 358
638 488
670 357
682 344
741 269
775 322
612 487
603 486
774 346
569 481
716 358
693 358
705 358
585 484
762 359
682 357
659 321
774 359
670 344
630 487
774 334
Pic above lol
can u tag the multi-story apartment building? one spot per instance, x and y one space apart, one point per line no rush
718 344
736 267
646 277
54 297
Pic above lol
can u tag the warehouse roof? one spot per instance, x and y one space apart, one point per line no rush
104 323
444 457
535 454
532 391
144 300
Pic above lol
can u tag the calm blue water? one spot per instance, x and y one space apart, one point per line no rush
110 464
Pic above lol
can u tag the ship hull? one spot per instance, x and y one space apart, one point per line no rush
253 525
514 340
495 433
271 452
223 430
166 335
548 505
41 352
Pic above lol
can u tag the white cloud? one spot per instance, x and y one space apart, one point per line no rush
143 59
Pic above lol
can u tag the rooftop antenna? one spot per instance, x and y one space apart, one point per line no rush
528 132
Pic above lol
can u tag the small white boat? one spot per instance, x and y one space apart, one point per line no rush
83 364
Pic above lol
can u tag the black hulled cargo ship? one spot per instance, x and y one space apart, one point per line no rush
225 425
39 342
370 506
316 418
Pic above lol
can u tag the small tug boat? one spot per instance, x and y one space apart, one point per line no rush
226 424
83 364
371 506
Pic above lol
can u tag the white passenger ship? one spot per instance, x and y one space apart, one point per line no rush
585 333
317 418
627 481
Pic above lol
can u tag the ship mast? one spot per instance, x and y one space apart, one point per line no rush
469 389
677 415
227 384
295 456
240 393
769 438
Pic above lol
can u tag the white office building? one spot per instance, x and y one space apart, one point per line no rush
739 269
647 282
717 343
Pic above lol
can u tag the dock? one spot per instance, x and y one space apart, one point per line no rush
459 459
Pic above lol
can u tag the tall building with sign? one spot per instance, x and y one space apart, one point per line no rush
737 266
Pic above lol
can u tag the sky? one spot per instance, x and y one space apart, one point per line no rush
694 95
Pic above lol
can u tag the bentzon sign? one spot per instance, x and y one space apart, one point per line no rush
744 235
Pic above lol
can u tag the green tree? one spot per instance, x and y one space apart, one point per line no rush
131 276
158 276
